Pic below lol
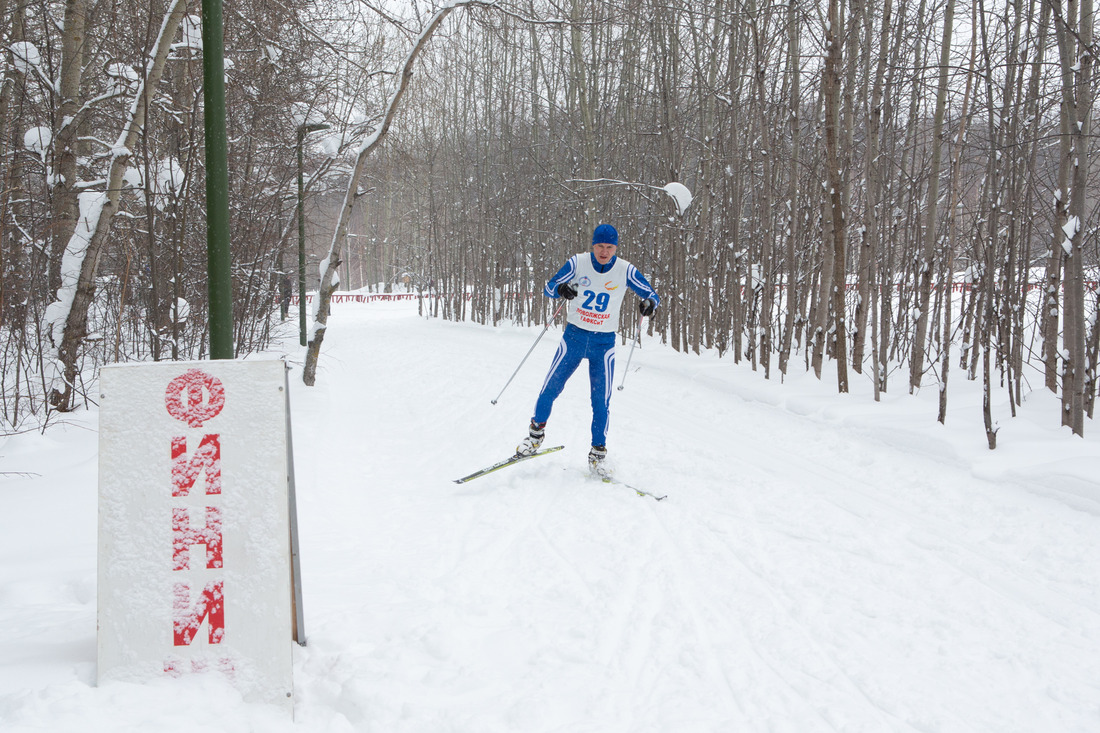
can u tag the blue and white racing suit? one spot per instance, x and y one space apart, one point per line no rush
592 318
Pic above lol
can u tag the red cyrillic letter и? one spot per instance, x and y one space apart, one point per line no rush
207 457
188 619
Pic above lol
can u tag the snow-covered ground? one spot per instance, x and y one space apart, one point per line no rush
822 563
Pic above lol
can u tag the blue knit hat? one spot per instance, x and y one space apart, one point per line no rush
606 234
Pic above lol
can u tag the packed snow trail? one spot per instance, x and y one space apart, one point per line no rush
822 562
804 575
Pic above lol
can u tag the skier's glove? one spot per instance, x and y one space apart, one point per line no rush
567 291
646 307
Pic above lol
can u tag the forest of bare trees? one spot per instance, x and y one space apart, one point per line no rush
895 193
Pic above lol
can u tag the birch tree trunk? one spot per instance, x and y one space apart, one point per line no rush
888 275
766 216
67 317
1052 282
793 208
830 93
916 360
869 237
956 170
69 122
1011 293
989 216
13 269
1075 35
832 302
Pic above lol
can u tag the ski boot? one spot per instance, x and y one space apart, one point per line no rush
533 440
597 462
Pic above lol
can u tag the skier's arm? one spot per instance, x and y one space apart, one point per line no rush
565 274
637 282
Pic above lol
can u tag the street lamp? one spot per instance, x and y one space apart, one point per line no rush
303 130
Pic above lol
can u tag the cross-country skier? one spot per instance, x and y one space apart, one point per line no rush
595 284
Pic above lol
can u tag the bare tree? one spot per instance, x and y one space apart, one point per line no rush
1074 30
831 300
931 228
952 221
331 263
792 104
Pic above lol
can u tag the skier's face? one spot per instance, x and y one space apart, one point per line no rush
604 252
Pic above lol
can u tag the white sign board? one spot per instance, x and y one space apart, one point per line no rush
194 540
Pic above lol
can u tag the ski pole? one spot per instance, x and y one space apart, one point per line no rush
637 340
544 330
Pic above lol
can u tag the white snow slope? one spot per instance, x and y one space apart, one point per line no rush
822 563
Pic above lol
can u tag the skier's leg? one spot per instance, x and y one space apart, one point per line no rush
566 360
601 375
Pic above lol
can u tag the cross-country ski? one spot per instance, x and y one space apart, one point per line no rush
635 489
507 462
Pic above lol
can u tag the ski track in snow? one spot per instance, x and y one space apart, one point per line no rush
878 496
821 563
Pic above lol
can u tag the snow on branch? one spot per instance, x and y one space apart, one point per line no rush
66 317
